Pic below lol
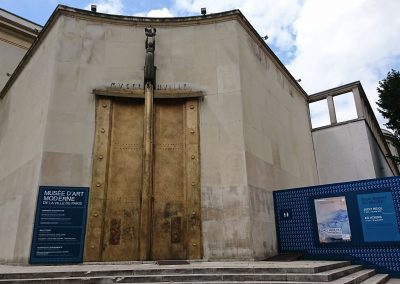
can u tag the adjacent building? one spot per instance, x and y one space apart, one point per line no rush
16 36
352 149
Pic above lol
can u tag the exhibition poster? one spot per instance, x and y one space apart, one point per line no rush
378 217
332 219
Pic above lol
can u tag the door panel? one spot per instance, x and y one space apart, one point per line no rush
122 212
169 212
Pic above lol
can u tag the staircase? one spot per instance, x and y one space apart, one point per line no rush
196 272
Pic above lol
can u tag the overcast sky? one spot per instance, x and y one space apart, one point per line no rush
326 43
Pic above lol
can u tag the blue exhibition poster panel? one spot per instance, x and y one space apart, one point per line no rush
60 223
332 219
378 217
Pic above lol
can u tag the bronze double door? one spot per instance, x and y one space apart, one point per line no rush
124 222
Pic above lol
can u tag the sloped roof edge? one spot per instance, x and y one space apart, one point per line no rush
145 21
21 18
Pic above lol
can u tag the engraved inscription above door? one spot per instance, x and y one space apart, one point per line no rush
114 224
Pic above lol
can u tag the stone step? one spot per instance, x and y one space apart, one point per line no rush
151 269
196 278
394 281
191 278
377 279
325 276
357 277
301 272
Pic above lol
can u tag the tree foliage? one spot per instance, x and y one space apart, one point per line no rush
389 103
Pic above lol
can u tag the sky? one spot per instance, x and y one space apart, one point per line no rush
325 43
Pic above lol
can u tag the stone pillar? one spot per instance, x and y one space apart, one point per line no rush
358 103
331 108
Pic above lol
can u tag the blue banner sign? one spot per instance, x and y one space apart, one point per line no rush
378 217
60 223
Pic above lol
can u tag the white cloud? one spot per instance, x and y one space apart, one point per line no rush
108 6
343 41
330 42
269 17
156 13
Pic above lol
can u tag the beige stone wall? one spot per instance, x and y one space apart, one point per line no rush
355 154
343 153
23 116
225 202
278 143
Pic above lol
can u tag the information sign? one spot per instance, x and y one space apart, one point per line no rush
378 217
60 221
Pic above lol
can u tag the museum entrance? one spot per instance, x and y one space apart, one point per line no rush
136 213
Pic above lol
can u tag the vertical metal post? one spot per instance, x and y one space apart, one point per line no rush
147 173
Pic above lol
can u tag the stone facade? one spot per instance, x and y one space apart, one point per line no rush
49 140
255 131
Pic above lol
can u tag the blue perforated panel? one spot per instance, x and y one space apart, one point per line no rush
297 230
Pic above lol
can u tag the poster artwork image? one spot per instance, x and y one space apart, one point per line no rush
332 219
